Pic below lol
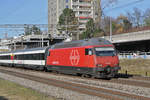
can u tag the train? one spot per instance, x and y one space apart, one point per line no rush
95 57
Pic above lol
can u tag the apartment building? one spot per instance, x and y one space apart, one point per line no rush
84 9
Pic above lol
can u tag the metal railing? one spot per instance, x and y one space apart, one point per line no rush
142 55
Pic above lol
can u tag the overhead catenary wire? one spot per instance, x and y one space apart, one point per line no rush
125 5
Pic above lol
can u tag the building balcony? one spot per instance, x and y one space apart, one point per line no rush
83 21
83 15
83 9
82 26
82 3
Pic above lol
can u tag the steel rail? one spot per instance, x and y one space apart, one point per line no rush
99 92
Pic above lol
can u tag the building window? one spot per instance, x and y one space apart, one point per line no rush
67 6
66 1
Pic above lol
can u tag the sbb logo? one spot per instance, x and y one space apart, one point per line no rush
74 57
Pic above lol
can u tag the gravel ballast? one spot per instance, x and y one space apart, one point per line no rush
141 91
58 93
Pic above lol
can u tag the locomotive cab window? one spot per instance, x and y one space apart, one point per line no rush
88 51
105 51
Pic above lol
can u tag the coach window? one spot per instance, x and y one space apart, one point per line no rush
26 57
20 57
35 56
38 56
42 56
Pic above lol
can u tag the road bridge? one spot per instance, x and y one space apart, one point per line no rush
132 42
130 37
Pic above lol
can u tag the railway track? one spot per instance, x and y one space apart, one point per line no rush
81 88
133 81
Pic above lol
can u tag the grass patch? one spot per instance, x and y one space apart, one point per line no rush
12 91
135 66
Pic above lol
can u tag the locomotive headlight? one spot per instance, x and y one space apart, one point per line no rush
99 65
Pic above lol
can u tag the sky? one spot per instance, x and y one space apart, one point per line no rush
36 11
23 11
123 6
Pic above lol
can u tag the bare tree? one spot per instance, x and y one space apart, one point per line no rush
129 16
147 17
136 17
103 4
105 25
107 3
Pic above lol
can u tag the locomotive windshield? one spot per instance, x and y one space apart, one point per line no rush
105 51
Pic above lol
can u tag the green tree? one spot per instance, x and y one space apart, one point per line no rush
67 21
147 17
91 30
32 30
123 24
36 30
127 24
147 21
27 30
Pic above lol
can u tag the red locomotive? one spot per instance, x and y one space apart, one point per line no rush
93 57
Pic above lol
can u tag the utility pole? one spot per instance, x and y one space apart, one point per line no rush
42 40
66 25
78 32
110 38
14 45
